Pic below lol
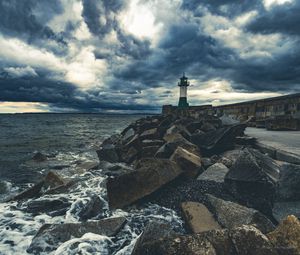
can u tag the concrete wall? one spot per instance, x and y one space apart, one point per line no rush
284 111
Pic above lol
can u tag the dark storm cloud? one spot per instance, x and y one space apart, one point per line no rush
17 18
134 64
183 48
279 19
61 94
99 15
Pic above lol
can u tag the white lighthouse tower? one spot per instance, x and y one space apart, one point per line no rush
183 84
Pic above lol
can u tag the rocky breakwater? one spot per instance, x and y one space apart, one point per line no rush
232 198
230 195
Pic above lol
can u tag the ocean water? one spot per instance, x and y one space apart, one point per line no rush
68 140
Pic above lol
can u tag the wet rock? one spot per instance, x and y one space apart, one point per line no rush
219 140
50 181
57 206
231 215
282 209
248 240
115 169
108 152
39 157
198 217
150 175
86 166
93 208
286 237
253 178
50 236
188 162
153 233
215 173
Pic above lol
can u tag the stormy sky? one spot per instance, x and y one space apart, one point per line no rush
127 55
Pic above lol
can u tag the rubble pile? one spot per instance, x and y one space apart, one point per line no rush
230 195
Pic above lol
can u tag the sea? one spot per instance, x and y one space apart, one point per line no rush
67 140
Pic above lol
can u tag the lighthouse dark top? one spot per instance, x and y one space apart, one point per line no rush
183 84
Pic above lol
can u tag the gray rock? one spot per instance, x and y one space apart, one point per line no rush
288 157
146 143
150 175
152 234
149 151
39 157
215 173
228 158
253 179
207 127
227 120
50 236
108 153
231 215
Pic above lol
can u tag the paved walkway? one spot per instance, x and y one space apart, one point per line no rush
285 140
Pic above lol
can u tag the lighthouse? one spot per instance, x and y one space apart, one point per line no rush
183 84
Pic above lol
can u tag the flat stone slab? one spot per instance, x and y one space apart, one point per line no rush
198 217
215 173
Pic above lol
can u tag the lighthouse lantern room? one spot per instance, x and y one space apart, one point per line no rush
183 84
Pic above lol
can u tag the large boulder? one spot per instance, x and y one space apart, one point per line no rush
150 134
286 237
218 140
150 175
253 179
228 158
50 236
188 162
198 217
215 173
231 215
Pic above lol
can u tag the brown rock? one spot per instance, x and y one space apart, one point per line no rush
198 217
248 240
150 175
189 162
286 237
